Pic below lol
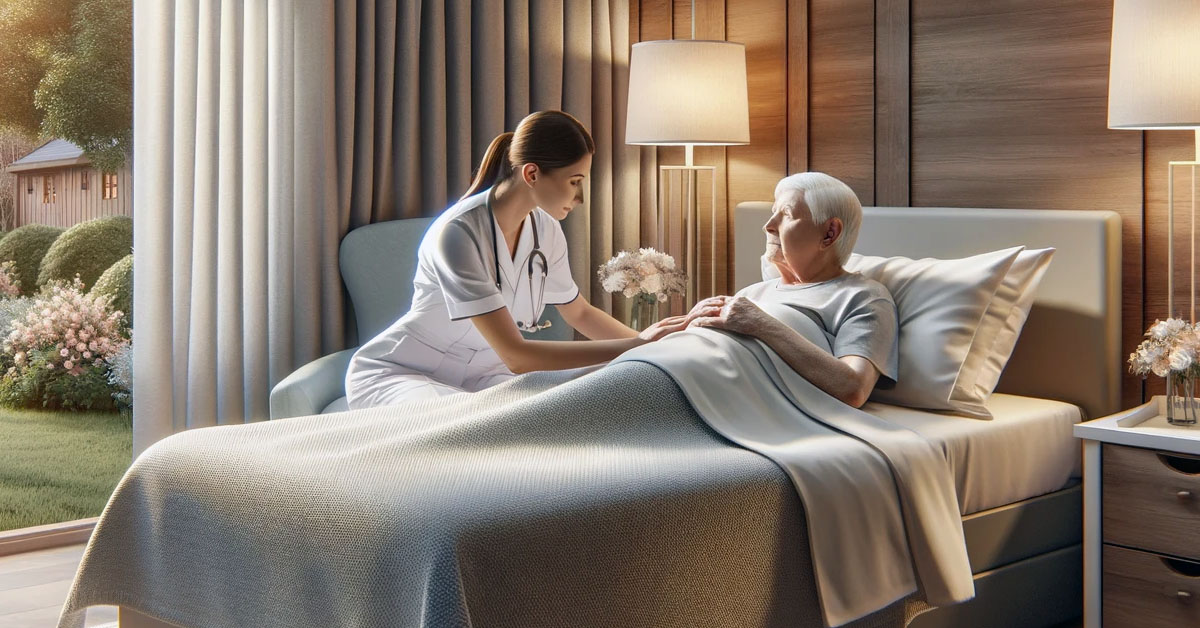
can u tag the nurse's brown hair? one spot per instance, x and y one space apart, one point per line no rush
549 139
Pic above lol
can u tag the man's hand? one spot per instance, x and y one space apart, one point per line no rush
708 307
736 314
662 328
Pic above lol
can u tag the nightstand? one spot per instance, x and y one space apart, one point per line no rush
1141 520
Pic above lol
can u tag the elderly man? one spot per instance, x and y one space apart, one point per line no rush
812 230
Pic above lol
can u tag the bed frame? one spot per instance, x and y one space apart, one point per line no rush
1026 556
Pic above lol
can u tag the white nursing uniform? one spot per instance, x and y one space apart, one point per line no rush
434 349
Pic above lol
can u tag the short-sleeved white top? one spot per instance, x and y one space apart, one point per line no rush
456 280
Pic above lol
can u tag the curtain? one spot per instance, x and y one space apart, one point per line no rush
264 130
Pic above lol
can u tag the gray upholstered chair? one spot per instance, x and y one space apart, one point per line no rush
377 263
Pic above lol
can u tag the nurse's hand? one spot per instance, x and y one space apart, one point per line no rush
662 328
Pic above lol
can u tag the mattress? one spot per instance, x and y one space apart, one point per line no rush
1026 450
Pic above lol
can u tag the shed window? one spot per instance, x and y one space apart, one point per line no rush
110 185
49 194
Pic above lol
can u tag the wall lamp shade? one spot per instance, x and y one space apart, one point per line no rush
687 92
1154 68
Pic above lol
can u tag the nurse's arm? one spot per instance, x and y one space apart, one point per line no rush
522 356
593 322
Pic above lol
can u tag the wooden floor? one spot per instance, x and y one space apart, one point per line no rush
34 585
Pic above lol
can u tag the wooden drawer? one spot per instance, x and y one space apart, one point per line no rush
1151 500
1148 591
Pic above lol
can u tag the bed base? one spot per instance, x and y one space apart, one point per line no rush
1026 557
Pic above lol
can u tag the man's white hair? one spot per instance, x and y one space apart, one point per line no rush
827 198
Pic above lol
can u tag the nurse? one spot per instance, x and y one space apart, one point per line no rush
486 269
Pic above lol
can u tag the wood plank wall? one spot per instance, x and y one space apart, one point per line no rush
73 204
943 103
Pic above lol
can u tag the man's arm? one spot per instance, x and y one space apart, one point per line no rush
850 378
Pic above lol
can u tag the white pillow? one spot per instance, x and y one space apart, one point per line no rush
1015 294
941 304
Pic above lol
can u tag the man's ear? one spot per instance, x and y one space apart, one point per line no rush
833 229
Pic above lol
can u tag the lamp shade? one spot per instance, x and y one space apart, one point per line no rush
1154 70
687 92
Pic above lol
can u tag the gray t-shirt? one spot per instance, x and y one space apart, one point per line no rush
857 315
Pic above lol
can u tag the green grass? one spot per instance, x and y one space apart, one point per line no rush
59 466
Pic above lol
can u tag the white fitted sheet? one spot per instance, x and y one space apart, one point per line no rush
1026 450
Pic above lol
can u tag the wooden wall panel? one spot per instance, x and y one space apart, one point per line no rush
892 155
841 83
1009 109
797 86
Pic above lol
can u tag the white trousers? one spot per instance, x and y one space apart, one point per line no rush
425 373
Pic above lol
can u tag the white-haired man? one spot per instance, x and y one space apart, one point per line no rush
814 224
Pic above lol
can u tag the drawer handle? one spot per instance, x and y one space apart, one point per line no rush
1184 495
1188 568
1183 595
1181 464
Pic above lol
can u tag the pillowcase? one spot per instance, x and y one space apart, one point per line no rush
1015 294
941 305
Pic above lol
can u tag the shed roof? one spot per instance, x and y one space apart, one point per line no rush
53 154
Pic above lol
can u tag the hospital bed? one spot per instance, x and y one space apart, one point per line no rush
1024 552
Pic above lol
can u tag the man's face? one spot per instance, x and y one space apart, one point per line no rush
793 239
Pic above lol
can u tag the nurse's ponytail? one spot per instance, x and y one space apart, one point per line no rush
550 139
495 167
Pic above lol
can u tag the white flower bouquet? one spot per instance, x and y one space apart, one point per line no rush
1172 350
645 271
646 275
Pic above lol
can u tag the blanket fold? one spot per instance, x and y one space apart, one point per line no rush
880 498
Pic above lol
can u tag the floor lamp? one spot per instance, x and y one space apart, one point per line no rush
1154 83
687 93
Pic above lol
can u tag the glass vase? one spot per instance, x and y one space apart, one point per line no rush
1182 405
643 311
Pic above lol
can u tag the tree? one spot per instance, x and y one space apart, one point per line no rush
13 146
70 63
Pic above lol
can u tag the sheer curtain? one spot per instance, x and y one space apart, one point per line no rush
264 130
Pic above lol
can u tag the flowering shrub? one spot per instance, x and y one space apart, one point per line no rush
10 285
59 351
645 271
1171 347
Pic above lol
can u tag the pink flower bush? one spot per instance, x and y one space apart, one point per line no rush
75 329
10 286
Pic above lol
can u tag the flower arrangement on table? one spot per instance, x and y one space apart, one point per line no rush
648 277
1172 350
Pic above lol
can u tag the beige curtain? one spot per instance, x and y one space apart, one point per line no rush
424 86
264 130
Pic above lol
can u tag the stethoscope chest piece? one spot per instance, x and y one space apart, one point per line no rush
535 254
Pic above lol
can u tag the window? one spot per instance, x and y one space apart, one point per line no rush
49 194
29 185
83 180
110 185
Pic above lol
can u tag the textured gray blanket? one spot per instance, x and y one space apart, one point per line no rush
603 501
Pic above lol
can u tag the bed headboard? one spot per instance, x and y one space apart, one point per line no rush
1070 348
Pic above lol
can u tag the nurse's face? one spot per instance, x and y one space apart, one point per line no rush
560 190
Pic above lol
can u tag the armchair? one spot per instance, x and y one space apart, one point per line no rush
377 264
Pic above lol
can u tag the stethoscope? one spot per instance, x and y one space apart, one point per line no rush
533 325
